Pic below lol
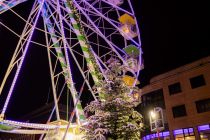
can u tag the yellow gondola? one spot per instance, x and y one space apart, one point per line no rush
127 19
129 81
128 26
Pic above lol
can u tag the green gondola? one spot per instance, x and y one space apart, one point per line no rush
132 51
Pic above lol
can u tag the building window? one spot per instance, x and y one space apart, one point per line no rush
185 133
202 131
197 81
203 105
174 88
179 111
153 98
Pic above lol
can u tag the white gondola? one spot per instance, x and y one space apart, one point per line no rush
116 2
133 64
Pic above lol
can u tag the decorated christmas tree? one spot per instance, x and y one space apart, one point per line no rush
113 117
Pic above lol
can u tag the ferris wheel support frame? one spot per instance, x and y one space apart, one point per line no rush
79 111
133 41
30 33
9 5
81 42
63 62
79 105
85 46
101 34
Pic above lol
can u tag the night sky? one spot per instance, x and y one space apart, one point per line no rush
173 33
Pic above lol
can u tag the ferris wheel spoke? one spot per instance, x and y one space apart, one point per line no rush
53 84
71 28
110 48
22 59
100 33
74 45
108 20
79 111
79 31
26 22
113 32
19 36
113 44
68 28
83 74
111 21
64 62
7 5
20 46
93 31
103 28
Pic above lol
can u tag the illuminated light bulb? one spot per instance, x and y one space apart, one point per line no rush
136 96
125 29
153 114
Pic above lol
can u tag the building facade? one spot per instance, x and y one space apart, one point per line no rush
184 96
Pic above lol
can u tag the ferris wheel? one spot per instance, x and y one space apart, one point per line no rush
77 34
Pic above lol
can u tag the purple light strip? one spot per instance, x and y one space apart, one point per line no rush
203 127
21 62
183 131
178 131
161 134
166 133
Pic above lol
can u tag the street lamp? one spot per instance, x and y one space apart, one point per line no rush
156 120
153 114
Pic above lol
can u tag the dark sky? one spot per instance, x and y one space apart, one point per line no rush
173 33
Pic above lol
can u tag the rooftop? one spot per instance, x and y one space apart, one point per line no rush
182 69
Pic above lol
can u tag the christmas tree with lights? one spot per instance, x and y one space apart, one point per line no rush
113 117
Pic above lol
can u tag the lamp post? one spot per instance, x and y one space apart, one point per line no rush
156 120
